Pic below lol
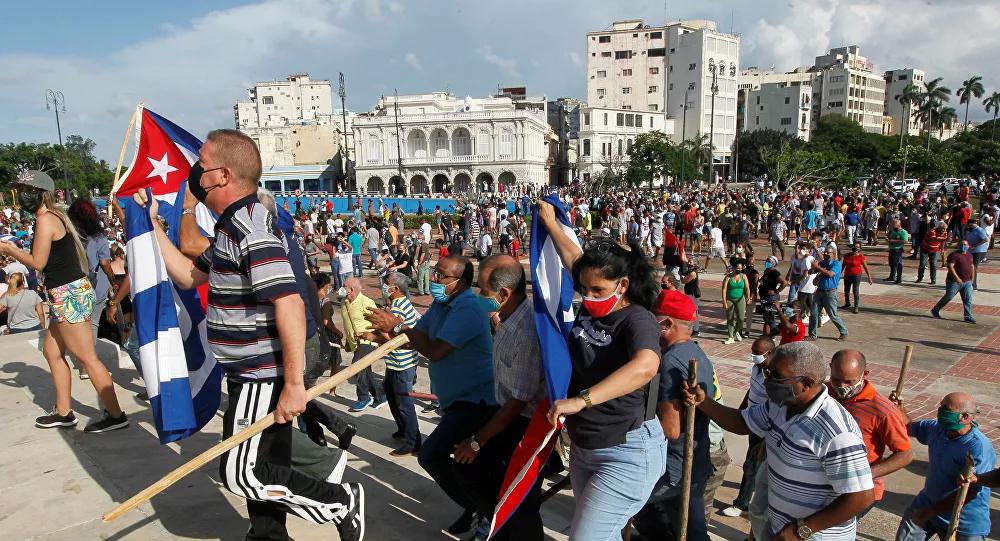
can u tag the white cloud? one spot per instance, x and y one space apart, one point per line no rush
413 61
507 66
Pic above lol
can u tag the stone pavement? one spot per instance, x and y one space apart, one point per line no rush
57 483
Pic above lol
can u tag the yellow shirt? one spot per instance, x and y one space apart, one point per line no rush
354 320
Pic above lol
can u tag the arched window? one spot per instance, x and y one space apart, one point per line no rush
416 144
619 147
586 147
506 143
392 150
483 143
461 143
628 146
439 142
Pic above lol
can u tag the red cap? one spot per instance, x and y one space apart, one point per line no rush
675 304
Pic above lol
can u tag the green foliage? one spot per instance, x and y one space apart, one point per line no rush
651 157
975 153
82 168
790 167
750 146
839 135
923 164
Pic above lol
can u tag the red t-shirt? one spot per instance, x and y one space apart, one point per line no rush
964 214
787 337
852 264
443 252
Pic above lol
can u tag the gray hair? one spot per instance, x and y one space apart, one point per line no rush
401 281
804 359
266 198
510 276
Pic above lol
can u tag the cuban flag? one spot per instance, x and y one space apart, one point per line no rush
552 298
182 377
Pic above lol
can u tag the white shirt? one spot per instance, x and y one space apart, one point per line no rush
426 229
716 237
485 242
339 225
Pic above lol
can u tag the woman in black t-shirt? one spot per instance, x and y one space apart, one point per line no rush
619 450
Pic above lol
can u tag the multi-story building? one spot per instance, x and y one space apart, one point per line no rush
293 121
638 67
606 136
849 86
778 101
438 142
564 120
895 82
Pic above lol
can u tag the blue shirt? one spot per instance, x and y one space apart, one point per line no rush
947 458
355 240
852 218
465 374
977 235
829 282
810 218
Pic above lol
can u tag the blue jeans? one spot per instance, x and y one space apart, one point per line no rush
356 261
460 420
908 531
612 484
397 386
895 264
927 259
373 253
825 299
952 288
335 274
697 313
366 383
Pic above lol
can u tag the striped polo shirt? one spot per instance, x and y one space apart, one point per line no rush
247 268
758 391
812 458
402 358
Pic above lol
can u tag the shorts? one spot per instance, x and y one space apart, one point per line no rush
717 252
72 302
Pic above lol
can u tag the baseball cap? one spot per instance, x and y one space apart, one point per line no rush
37 179
675 304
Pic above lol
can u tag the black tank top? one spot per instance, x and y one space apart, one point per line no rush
63 266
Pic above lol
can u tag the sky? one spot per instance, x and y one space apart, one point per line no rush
192 61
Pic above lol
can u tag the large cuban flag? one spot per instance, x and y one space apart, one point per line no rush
182 377
552 298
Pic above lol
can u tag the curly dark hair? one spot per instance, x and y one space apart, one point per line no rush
83 214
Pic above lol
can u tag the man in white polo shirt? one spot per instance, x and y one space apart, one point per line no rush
818 472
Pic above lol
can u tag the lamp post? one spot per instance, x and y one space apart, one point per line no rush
342 92
714 69
684 124
54 99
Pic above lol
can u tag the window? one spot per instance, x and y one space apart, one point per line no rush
586 119
483 143
586 178
671 86
621 119
658 51
630 120
654 71
604 39
627 107
638 121
279 144
506 143
787 100
586 147
273 185
620 145
692 65
601 73
626 90
623 55
653 89
605 119
267 100
758 100
626 73
292 184
600 93
628 146
654 107
903 77
786 121
758 121
656 35
374 149
605 54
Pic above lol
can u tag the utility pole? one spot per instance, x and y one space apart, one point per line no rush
714 69
684 124
54 99
399 153
342 92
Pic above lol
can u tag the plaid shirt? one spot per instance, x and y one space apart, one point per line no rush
517 362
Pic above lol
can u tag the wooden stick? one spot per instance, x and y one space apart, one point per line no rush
250 431
963 491
898 394
688 455
121 153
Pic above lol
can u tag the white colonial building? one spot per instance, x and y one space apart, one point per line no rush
437 142
606 136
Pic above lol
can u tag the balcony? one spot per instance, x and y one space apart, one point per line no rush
436 160
447 116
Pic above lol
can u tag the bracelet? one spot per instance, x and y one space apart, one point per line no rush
187 212
585 395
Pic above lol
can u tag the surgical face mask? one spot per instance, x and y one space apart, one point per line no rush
601 307
779 393
385 290
438 291
962 248
850 390
29 199
194 182
488 304
757 359
342 293
949 421
767 265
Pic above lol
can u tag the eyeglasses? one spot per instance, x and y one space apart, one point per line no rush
771 375
439 275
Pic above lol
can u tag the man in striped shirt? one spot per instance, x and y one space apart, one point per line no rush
818 473
401 369
256 330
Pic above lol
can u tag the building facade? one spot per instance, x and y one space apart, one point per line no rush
778 101
293 122
895 82
637 67
850 87
606 135
436 142
564 120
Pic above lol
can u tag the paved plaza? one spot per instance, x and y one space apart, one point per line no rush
55 484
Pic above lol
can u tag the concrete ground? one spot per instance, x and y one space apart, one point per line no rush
55 484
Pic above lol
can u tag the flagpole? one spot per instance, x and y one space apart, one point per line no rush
121 153
251 431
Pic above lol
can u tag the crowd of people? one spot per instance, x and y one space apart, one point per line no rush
823 440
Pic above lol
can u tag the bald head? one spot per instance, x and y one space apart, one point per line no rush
456 266
849 363
499 272
960 402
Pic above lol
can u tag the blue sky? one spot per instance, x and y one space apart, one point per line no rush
191 61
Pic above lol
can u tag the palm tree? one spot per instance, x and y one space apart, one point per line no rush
971 88
933 96
992 103
909 96
946 118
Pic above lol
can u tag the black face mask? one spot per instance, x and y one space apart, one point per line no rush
194 182
30 200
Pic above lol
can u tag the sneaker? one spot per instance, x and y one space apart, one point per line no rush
352 528
856 310
430 408
83 373
842 337
405 450
53 420
730 341
107 424
360 405
482 530
463 523
733 511
935 313
970 320
380 405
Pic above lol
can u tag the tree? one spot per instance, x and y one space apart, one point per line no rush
789 167
909 96
992 103
932 98
946 118
749 146
838 135
971 88
613 174
918 162
696 151
652 156
84 171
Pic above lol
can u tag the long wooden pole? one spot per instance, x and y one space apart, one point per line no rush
250 431
121 153
898 394
963 491
682 528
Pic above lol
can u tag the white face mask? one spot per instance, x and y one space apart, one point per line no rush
757 359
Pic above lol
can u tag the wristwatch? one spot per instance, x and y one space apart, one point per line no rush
585 395
398 329
185 212
803 531
474 444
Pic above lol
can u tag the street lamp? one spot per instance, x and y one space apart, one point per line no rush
714 69
54 99
684 124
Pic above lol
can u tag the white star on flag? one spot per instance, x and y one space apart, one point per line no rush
161 168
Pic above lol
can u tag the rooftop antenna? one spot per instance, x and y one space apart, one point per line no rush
732 17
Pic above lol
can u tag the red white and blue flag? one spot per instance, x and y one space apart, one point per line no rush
552 298
182 377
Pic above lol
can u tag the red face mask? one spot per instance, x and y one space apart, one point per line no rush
601 307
